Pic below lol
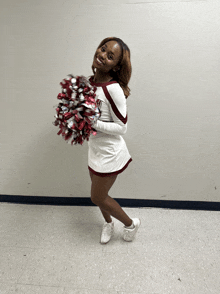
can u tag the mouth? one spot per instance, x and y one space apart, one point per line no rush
99 62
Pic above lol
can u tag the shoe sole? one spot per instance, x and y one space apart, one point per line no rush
103 243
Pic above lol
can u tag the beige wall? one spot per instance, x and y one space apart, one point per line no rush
173 113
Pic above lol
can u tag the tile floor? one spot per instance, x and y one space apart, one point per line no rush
56 250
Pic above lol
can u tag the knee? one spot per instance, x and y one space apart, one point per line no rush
97 200
94 201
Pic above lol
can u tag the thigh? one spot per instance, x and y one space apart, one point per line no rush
91 174
101 186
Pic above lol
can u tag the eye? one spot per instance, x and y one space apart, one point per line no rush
103 49
110 57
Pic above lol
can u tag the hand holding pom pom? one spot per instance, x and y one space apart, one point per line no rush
77 111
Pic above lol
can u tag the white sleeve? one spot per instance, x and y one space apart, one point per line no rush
118 110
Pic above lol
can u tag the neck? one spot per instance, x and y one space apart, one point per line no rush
100 77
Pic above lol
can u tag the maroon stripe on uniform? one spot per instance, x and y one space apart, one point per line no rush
110 174
114 107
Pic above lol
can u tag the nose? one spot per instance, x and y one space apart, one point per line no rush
102 55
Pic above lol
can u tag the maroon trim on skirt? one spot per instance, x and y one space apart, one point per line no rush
110 174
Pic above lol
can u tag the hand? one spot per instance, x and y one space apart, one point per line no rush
97 114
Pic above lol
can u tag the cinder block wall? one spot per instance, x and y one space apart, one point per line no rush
173 113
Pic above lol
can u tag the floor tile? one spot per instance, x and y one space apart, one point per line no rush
67 290
5 288
121 272
33 289
27 233
13 262
55 249
82 272
44 267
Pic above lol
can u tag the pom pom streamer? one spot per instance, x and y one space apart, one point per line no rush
77 110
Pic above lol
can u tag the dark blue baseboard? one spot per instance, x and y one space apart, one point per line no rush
80 201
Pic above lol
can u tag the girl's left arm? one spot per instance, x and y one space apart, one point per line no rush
118 110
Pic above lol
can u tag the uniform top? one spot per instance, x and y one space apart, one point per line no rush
111 101
108 154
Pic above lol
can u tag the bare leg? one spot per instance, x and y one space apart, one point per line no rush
100 197
105 214
114 209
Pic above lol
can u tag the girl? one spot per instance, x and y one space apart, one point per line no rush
108 154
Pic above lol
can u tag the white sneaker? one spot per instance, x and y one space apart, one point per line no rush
129 234
107 232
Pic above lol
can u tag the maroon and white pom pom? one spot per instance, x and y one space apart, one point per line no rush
77 109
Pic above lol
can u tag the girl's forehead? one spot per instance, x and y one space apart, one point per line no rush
113 46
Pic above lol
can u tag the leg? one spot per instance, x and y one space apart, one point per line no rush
105 214
99 196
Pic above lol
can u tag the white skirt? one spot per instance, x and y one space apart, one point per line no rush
107 154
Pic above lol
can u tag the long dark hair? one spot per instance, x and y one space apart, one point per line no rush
123 75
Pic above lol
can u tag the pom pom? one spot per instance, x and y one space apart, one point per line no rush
77 110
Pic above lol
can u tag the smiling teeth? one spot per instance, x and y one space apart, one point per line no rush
99 61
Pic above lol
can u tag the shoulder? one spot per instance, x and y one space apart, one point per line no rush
116 91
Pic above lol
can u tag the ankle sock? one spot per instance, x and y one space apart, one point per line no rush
131 226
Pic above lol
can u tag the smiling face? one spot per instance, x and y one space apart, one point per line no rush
107 57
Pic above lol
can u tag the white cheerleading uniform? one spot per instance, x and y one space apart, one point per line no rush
107 153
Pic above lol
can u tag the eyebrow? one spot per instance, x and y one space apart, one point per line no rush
110 51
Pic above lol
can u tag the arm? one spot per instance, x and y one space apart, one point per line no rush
118 110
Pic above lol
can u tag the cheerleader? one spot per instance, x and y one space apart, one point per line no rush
108 155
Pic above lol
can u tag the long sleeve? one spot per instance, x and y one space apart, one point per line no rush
118 111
